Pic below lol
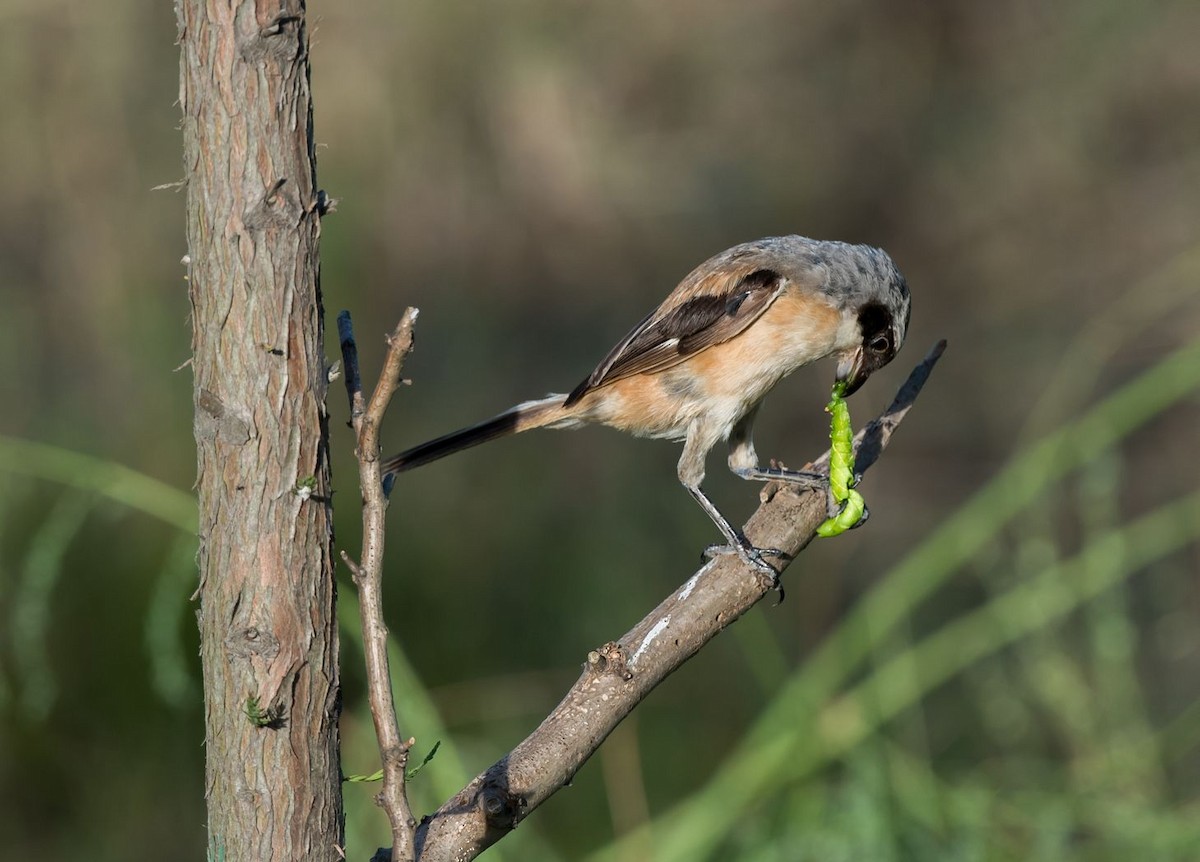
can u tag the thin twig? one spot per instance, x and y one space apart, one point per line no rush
368 572
618 675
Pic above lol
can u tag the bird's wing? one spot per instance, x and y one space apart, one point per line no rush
707 308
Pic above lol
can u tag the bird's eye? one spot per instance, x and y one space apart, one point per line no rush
880 344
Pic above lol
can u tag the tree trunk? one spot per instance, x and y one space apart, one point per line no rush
267 622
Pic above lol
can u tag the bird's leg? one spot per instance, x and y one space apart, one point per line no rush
804 479
691 473
743 462
737 543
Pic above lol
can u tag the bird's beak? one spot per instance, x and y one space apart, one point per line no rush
852 371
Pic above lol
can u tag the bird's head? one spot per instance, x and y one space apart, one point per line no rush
873 297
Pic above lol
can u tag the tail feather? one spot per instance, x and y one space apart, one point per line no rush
523 417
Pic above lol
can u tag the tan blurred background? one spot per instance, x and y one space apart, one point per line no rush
535 176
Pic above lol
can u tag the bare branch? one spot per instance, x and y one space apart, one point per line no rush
618 675
368 573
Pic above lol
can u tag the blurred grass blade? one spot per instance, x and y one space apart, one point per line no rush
31 612
107 478
169 675
7 499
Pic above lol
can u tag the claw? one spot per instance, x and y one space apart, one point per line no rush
866 514
752 556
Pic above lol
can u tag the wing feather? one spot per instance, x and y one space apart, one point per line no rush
711 306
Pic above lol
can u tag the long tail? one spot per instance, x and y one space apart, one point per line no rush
523 417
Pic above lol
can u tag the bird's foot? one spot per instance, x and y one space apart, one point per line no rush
779 472
756 559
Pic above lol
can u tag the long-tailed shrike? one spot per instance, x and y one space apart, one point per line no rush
697 368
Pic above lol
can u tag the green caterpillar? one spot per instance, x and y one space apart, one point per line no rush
841 468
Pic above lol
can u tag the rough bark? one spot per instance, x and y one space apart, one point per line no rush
267 622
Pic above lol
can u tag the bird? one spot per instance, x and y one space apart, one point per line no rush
697 368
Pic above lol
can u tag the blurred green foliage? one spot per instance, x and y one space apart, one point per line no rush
1003 665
